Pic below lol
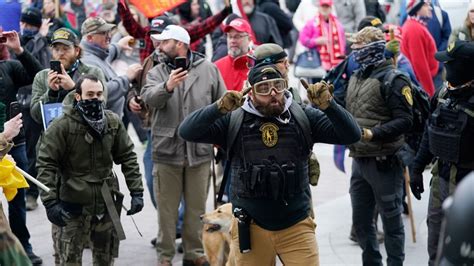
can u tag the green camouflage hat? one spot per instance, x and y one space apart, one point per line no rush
96 25
367 35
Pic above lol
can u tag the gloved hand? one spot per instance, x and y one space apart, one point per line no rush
393 47
367 134
231 100
136 204
56 214
320 94
416 183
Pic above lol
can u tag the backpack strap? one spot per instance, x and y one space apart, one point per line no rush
303 121
236 119
235 122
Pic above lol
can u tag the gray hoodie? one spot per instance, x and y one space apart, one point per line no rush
117 86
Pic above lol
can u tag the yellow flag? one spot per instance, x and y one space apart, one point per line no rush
10 179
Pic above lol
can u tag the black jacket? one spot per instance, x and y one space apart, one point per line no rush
13 75
283 21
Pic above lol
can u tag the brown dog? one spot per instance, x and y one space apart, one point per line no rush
216 234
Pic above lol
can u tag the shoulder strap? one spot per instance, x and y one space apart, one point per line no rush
389 78
236 118
303 122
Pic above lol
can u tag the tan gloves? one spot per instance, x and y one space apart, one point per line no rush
231 100
320 94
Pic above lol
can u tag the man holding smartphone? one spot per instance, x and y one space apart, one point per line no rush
181 168
52 86
13 75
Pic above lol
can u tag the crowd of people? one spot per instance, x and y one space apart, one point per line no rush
192 82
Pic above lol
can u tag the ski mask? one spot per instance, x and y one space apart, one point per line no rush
459 62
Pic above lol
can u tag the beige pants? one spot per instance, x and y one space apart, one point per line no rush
295 245
170 184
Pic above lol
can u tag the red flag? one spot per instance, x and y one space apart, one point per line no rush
153 8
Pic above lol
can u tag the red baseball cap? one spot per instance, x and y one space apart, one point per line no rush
238 24
325 2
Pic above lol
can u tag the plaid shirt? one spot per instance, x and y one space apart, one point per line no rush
196 31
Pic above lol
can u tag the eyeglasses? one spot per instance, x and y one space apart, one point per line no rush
236 36
265 87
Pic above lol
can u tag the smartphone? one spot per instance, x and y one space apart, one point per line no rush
141 44
180 62
56 66
15 109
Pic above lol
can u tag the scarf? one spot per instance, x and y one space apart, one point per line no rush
92 112
96 50
329 53
283 118
73 68
370 55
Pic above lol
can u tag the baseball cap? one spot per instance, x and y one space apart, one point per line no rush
367 35
159 23
370 21
64 36
325 2
32 16
263 72
238 24
96 25
456 50
173 32
269 53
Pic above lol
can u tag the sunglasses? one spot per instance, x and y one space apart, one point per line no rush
265 87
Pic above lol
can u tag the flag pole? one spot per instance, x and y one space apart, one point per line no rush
32 179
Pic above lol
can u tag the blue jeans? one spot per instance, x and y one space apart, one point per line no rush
148 164
378 182
17 207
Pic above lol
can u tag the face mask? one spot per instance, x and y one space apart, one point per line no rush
458 72
92 111
29 33
370 54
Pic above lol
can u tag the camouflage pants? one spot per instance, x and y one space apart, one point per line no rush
11 251
100 233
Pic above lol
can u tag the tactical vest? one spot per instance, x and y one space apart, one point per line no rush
365 102
270 159
451 131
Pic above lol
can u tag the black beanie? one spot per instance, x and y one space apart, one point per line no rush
32 16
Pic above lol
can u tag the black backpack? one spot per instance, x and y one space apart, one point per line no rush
421 100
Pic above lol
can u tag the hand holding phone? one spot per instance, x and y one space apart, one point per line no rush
181 62
56 66
15 109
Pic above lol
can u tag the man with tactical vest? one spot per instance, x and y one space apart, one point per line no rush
448 138
75 161
384 114
268 138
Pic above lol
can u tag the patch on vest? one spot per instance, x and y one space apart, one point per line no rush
406 91
269 134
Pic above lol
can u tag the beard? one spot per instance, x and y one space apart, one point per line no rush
67 62
273 108
235 52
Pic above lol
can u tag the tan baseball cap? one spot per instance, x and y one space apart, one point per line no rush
95 25
367 35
